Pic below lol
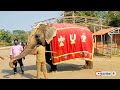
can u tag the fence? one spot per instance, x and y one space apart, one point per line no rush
105 48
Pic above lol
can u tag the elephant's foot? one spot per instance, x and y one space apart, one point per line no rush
53 69
88 65
85 67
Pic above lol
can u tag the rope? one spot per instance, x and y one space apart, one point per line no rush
46 51
51 51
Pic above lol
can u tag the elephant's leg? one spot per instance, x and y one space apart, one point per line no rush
48 57
53 67
88 64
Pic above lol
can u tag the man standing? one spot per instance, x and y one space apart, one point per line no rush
16 50
40 59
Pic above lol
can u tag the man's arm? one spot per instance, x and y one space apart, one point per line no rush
11 54
35 50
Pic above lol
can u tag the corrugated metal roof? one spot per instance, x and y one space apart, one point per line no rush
104 31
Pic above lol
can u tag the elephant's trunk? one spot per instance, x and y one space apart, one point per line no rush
26 51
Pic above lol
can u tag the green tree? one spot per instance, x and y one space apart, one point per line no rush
5 37
114 18
19 34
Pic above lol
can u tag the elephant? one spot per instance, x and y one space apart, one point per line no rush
45 32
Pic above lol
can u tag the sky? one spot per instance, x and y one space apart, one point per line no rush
24 20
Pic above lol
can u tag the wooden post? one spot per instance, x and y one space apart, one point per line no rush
73 15
111 46
95 39
101 43
96 43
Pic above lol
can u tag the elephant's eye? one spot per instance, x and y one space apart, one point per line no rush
36 36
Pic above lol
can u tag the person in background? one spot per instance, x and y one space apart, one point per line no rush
16 50
24 44
40 59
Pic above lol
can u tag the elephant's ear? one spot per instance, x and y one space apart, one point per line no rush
50 33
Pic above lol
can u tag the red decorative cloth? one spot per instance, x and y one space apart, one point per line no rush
71 42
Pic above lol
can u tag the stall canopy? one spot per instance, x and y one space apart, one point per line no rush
104 31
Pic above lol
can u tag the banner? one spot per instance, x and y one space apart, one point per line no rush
71 42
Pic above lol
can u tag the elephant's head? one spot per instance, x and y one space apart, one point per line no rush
43 32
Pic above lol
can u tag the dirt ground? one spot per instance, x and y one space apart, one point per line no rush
67 70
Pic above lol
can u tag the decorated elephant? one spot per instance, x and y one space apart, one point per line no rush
65 41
